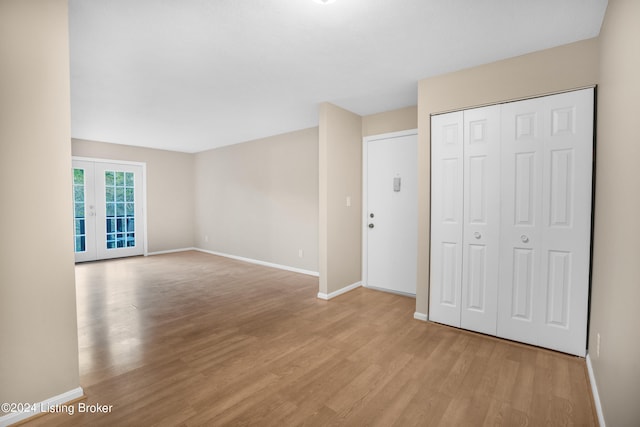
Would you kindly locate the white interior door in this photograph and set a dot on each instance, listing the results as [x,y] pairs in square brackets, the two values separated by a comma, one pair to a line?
[481,219]
[447,164]
[547,154]
[511,190]
[465,218]
[108,209]
[391,213]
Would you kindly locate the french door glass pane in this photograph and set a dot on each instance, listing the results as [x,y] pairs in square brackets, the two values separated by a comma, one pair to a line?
[80,237]
[120,187]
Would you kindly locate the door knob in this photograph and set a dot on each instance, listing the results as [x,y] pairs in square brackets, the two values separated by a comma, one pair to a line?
[477,235]
[524,238]
[370,225]
[371,215]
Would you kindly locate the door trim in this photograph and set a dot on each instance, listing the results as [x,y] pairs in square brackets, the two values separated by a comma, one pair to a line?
[517,99]
[143,165]
[365,188]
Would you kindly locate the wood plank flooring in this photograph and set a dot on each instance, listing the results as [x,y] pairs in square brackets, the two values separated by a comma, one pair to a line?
[192,339]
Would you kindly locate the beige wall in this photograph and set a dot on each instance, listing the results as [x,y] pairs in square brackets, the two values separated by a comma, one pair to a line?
[170,190]
[38,331]
[340,139]
[390,121]
[259,199]
[552,70]
[616,258]
[340,174]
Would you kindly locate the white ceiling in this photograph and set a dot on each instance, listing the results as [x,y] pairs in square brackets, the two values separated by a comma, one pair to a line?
[190,75]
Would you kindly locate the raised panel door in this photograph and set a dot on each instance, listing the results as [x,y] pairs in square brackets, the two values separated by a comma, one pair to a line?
[547,154]
[567,187]
[481,219]
[447,164]
[521,211]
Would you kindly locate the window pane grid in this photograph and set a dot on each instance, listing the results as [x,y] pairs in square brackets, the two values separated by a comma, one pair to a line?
[80,237]
[120,209]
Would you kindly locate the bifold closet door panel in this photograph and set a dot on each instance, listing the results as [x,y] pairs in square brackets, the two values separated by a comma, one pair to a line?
[521,212]
[446,218]
[481,219]
[511,189]
[547,154]
[566,206]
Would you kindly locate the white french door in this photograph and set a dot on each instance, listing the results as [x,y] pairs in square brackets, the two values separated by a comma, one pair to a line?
[84,211]
[391,212]
[108,209]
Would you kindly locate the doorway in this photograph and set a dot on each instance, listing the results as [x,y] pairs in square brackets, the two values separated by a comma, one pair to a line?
[109,209]
[390,209]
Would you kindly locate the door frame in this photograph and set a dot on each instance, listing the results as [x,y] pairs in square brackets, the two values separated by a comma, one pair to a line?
[143,165]
[365,190]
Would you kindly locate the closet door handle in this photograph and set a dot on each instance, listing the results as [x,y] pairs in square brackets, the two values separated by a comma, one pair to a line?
[477,235]
[524,238]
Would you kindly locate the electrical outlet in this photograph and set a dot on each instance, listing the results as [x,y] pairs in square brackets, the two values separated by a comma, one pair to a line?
[300,253]
[598,344]
[348,201]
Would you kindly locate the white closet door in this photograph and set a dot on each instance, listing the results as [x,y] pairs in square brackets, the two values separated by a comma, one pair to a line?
[481,219]
[520,240]
[446,218]
[547,151]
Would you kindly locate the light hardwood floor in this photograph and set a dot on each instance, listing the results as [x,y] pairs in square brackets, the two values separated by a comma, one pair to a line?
[192,339]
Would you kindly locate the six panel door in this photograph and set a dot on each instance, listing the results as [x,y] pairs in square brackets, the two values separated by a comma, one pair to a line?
[547,163]
[447,164]
[510,247]
[481,219]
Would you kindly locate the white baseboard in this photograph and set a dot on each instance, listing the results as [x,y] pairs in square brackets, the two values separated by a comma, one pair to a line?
[594,391]
[420,316]
[170,251]
[264,263]
[37,408]
[341,291]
